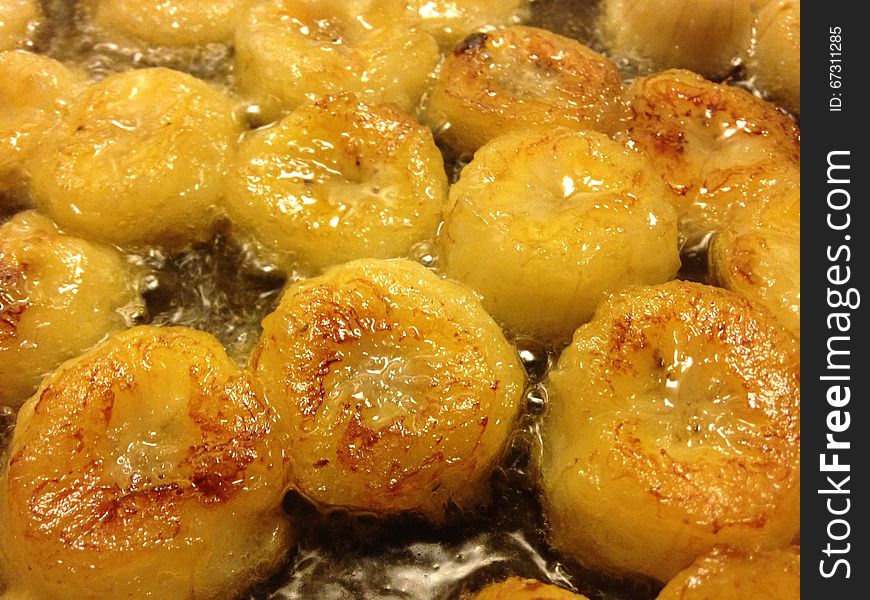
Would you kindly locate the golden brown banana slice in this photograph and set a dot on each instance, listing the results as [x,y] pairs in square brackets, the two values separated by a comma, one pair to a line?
[59,295]
[705,36]
[138,159]
[147,468]
[517,588]
[508,80]
[716,146]
[400,390]
[166,22]
[291,51]
[451,21]
[757,254]
[337,180]
[727,574]
[673,426]
[19,20]
[775,59]
[545,224]
[34,91]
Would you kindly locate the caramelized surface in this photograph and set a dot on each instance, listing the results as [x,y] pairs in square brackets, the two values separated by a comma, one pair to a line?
[150,454]
[516,78]
[399,389]
[673,426]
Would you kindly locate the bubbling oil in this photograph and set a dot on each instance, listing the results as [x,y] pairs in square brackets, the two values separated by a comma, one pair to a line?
[223,288]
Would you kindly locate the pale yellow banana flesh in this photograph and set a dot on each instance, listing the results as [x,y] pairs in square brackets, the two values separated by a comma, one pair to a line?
[19,20]
[775,57]
[288,52]
[336,180]
[165,22]
[34,91]
[705,36]
[138,159]
[564,218]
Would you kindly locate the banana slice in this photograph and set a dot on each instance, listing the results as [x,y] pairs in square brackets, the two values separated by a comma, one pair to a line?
[545,224]
[147,468]
[337,180]
[775,59]
[138,159]
[716,146]
[517,588]
[19,21]
[705,36]
[400,390]
[673,426]
[166,22]
[34,91]
[59,295]
[726,574]
[451,21]
[291,51]
[508,80]
[757,254]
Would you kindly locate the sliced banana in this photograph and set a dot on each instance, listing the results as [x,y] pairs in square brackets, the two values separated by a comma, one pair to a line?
[544,224]
[59,295]
[716,146]
[337,180]
[19,20]
[34,91]
[400,390]
[517,588]
[166,22]
[508,80]
[451,21]
[673,426]
[291,51]
[147,468]
[705,36]
[757,253]
[727,574]
[775,59]
[138,159]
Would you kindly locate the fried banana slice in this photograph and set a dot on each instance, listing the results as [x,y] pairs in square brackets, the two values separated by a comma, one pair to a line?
[401,392]
[757,253]
[775,59]
[509,80]
[166,22]
[451,21]
[716,146]
[673,426]
[59,295]
[336,180]
[147,468]
[19,21]
[35,91]
[705,36]
[288,52]
[138,159]
[545,224]
[517,588]
[727,574]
